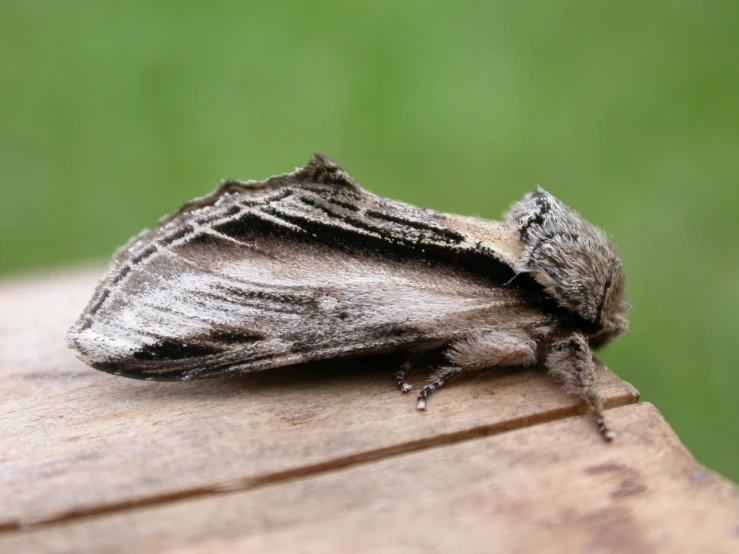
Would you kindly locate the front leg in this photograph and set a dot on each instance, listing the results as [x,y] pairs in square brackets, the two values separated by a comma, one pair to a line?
[571,362]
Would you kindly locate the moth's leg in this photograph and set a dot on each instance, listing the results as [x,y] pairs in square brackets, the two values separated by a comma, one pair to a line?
[410,359]
[483,349]
[441,377]
[571,362]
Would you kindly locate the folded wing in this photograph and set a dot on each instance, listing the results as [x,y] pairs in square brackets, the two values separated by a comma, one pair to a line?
[301,267]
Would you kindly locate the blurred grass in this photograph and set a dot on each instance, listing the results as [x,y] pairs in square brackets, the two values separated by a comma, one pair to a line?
[112,114]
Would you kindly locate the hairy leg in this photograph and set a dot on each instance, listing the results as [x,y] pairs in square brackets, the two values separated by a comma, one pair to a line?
[480,350]
[571,362]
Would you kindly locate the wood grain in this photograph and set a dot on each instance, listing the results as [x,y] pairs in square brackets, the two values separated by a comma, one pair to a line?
[547,488]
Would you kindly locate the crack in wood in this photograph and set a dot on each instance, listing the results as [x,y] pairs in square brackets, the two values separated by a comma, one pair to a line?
[248,484]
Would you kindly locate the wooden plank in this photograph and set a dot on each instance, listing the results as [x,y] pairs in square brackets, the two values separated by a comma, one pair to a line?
[550,488]
[76,441]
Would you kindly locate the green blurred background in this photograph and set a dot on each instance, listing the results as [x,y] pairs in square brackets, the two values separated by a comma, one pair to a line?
[113,113]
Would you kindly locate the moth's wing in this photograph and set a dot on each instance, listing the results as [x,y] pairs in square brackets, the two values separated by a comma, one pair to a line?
[297,271]
[320,169]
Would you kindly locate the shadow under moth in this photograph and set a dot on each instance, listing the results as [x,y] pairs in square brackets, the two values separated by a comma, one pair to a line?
[308,266]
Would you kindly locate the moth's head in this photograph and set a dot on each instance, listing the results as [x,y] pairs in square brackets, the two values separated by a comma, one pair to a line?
[574,262]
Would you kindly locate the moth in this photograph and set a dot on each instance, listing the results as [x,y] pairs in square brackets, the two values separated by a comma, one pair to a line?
[308,266]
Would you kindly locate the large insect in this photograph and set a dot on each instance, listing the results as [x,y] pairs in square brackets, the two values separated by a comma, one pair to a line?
[308,266]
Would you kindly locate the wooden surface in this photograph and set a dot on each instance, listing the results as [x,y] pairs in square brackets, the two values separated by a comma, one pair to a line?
[327,458]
